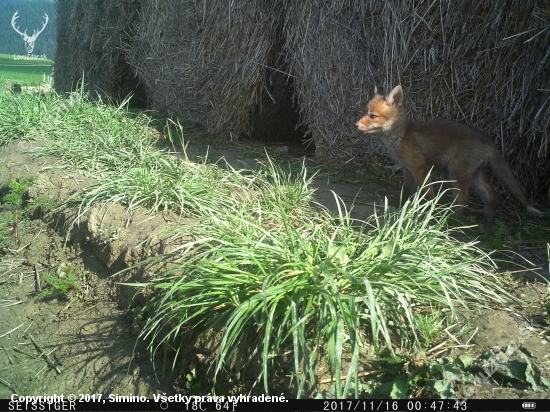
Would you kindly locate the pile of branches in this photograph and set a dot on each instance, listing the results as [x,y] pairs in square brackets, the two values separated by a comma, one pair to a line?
[220,64]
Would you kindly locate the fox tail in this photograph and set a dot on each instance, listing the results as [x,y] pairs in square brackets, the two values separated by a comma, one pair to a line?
[506,177]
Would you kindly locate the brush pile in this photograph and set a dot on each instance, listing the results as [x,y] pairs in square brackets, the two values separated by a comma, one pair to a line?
[257,68]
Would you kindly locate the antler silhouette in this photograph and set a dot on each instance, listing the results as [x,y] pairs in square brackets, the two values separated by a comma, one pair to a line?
[13,19]
[46,20]
[29,40]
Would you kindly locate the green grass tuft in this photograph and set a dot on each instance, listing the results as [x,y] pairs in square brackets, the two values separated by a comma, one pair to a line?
[320,286]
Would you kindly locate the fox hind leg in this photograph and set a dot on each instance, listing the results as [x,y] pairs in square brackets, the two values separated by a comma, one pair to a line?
[482,185]
[410,183]
[416,176]
[461,187]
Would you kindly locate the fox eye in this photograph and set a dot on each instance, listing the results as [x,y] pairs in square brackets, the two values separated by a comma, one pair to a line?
[373,116]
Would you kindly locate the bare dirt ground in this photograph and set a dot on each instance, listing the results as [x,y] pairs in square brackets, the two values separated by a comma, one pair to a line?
[85,342]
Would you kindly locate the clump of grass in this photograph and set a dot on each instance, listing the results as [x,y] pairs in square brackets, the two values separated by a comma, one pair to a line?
[318,287]
[64,281]
[12,203]
[120,148]
[59,285]
[430,325]
[509,235]
[168,183]
[16,191]
[285,188]
[98,137]
[24,116]
[88,135]
[162,184]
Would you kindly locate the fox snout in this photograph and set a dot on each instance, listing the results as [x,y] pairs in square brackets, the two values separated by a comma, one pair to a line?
[360,126]
[364,125]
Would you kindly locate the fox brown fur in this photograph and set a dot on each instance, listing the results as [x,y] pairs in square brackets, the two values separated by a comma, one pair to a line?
[462,150]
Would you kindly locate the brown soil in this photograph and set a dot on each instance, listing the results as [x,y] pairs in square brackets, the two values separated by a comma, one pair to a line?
[89,335]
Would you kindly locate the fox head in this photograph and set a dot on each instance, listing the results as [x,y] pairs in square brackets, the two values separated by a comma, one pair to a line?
[382,112]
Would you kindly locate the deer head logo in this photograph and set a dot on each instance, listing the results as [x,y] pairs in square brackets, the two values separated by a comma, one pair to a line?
[29,40]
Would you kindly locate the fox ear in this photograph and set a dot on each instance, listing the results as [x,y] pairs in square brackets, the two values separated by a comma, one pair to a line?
[395,98]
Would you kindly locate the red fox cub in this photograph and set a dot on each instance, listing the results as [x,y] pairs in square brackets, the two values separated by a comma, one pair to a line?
[462,150]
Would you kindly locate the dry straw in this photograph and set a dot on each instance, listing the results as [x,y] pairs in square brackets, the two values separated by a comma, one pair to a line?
[206,61]
[221,63]
[90,34]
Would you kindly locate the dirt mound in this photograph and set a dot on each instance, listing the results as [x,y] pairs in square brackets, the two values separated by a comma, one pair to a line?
[87,333]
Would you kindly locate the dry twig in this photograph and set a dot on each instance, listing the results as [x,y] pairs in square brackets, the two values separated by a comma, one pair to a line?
[44,354]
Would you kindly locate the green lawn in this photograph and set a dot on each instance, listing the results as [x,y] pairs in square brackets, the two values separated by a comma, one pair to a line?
[25,72]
